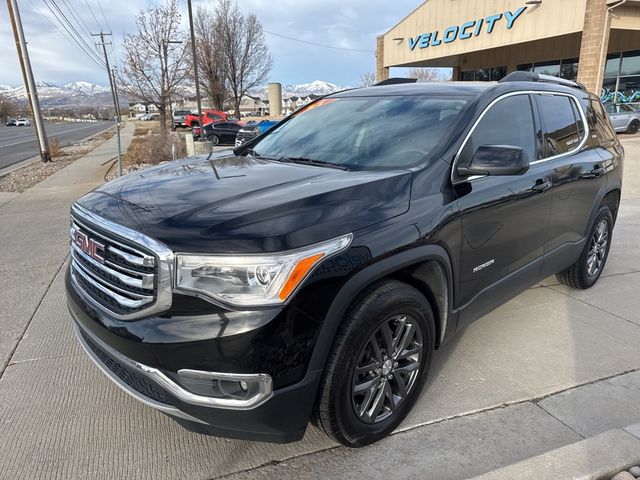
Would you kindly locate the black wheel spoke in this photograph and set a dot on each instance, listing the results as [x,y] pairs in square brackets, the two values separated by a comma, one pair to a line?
[401,387]
[407,337]
[364,369]
[366,385]
[387,337]
[407,368]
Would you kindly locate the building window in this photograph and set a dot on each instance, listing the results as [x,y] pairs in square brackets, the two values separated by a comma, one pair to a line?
[622,78]
[484,74]
[569,69]
[547,68]
[630,64]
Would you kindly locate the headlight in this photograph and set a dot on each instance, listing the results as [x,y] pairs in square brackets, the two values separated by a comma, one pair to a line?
[253,280]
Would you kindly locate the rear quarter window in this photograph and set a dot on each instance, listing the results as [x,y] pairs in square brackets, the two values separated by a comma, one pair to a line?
[561,131]
[599,122]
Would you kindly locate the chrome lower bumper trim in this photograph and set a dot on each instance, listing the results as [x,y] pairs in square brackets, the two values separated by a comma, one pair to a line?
[156,376]
[135,394]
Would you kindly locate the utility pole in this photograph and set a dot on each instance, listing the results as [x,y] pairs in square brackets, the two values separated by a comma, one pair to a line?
[195,68]
[29,81]
[114,95]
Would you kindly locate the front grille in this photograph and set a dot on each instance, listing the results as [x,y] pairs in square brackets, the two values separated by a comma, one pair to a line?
[128,375]
[244,136]
[119,277]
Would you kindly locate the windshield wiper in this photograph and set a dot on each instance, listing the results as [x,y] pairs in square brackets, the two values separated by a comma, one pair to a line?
[317,163]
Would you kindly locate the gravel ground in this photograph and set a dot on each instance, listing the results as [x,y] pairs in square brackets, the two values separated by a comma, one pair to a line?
[24,178]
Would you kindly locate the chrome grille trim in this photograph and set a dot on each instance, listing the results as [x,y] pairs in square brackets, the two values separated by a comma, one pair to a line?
[122,300]
[135,280]
[141,259]
[146,280]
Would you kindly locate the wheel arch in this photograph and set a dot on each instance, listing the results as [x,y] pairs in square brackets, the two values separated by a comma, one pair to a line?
[426,268]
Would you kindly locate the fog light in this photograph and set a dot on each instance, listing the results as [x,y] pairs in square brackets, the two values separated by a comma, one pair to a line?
[225,385]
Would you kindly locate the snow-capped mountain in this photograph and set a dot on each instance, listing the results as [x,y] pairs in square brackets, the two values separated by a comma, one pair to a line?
[317,87]
[72,94]
[85,87]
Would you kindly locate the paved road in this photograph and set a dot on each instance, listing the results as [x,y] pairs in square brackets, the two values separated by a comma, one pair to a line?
[19,143]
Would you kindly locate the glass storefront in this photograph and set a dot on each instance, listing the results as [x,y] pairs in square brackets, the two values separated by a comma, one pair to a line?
[621,83]
[484,74]
[622,78]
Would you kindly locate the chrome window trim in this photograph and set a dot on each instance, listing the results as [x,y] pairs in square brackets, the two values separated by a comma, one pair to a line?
[159,378]
[163,260]
[579,147]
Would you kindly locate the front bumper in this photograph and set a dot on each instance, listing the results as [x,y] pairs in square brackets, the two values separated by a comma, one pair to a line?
[281,415]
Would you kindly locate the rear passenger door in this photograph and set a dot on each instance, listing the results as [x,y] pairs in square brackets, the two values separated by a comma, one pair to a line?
[577,176]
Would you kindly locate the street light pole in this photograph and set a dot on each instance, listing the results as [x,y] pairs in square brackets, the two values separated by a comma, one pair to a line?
[29,81]
[195,68]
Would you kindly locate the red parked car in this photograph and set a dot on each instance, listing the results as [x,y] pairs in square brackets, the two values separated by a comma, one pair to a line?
[208,116]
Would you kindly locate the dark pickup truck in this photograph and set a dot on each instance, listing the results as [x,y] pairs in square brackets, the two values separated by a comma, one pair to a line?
[311,272]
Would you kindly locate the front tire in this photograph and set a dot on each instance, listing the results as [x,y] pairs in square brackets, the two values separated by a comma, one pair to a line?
[214,139]
[586,271]
[378,365]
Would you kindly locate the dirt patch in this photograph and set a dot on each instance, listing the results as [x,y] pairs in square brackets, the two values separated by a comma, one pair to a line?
[26,177]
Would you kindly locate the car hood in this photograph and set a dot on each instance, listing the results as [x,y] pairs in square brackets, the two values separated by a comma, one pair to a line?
[242,204]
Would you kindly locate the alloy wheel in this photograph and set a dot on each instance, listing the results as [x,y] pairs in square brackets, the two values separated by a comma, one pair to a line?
[598,248]
[387,369]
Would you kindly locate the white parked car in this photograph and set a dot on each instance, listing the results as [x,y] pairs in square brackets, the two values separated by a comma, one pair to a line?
[23,122]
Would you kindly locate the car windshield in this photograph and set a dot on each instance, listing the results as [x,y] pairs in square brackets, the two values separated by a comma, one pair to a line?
[364,132]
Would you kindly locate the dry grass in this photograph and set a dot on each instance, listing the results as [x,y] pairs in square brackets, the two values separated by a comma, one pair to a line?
[147,148]
[26,177]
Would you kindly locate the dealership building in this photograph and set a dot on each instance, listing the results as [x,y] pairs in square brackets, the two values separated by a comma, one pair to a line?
[596,42]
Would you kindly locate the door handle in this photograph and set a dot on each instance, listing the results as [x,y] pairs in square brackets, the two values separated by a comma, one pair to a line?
[541,186]
[597,171]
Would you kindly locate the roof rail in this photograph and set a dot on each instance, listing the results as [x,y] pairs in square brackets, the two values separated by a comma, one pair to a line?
[536,77]
[395,81]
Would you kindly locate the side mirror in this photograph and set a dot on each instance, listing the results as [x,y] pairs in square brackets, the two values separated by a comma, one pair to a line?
[496,160]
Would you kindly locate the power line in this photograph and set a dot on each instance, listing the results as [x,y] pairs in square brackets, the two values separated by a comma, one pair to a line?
[74,13]
[89,53]
[71,26]
[103,15]
[317,44]
[93,15]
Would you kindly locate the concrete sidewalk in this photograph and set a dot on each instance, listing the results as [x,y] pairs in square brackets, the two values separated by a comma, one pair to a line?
[34,238]
[551,368]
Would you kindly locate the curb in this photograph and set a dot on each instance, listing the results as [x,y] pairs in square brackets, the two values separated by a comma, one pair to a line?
[595,458]
[24,163]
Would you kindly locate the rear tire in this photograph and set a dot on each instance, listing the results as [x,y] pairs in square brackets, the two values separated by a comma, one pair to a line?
[586,271]
[634,126]
[378,365]
[214,139]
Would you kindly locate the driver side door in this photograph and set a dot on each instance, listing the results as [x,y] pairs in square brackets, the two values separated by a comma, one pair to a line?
[503,218]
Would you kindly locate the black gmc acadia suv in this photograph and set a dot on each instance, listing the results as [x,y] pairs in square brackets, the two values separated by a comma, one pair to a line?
[312,272]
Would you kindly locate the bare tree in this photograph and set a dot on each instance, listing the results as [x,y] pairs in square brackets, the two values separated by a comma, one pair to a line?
[245,54]
[367,79]
[426,74]
[155,60]
[8,108]
[210,57]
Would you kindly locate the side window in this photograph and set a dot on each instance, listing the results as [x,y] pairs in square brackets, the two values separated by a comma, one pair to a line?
[559,127]
[508,122]
[599,122]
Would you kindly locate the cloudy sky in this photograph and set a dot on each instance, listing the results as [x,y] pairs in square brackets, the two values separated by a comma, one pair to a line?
[341,23]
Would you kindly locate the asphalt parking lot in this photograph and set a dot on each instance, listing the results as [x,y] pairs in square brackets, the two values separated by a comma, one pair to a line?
[551,367]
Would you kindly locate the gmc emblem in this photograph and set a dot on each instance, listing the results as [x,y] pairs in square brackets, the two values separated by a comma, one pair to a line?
[89,246]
